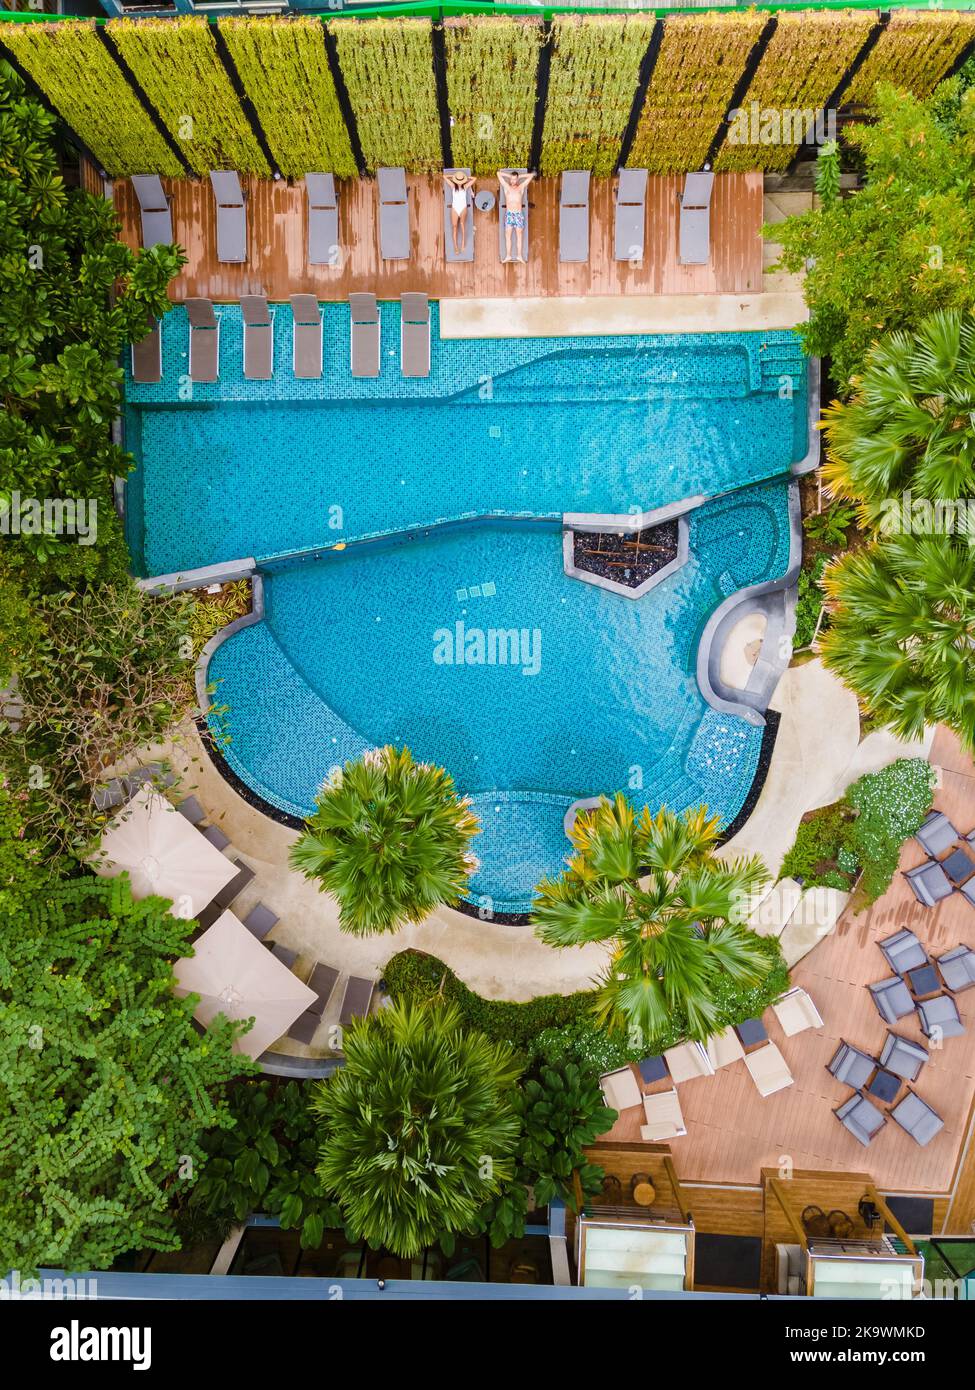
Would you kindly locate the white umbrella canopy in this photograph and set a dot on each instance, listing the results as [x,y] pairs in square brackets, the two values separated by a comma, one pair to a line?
[162,854]
[234,974]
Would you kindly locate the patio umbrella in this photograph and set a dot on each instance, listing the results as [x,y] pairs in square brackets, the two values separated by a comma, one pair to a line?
[235,975]
[162,854]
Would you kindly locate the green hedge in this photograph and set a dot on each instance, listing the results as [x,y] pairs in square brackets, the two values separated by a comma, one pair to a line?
[84,83]
[492,69]
[595,67]
[307,131]
[914,51]
[178,66]
[388,69]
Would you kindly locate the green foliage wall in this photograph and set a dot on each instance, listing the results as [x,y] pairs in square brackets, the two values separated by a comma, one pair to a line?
[81,79]
[700,60]
[914,51]
[595,66]
[307,130]
[492,69]
[177,64]
[388,69]
[801,68]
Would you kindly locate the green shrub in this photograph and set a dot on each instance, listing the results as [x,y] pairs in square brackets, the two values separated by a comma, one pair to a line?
[388,69]
[915,50]
[492,64]
[809,602]
[819,841]
[588,1045]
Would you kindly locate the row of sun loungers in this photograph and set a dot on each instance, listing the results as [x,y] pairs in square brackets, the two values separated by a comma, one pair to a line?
[323,246]
[356,998]
[919,984]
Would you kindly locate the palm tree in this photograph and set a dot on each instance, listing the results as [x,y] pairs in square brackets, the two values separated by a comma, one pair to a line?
[910,425]
[902,632]
[672,936]
[419,1128]
[390,839]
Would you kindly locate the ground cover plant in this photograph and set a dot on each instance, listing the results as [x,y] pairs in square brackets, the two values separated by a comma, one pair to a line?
[492,67]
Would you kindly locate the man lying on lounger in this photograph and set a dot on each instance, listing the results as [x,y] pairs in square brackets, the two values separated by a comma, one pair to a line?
[459,184]
[514,186]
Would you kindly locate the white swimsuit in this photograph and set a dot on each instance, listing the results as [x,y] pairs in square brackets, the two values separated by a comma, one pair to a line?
[459,201]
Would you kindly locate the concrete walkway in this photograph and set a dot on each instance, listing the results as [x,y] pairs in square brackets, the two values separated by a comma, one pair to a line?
[611,314]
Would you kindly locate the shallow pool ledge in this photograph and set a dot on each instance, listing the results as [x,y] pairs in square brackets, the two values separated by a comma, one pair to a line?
[611,314]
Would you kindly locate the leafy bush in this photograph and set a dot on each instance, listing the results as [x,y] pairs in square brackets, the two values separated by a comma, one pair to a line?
[492,64]
[914,51]
[211,612]
[821,836]
[589,1046]
[894,801]
[809,602]
[388,69]
[562,1110]
[306,130]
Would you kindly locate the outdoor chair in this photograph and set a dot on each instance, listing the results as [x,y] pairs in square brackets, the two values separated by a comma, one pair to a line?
[258,321]
[903,1057]
[356,1000]
[304,1027]
[415,335]
[284,954]
[851,1066]
[306,337]
[260,920]
[231,217]
[322,981]
[502,205]
[892,998]
[929,883]
[147,356]
[768,1069]
[157,222]
[665,1119]
[937,835]
[467,254]
[631,214]
[216,837]
[861,1118]
[323,219]
[967,891]
[122,789]
[620,1089]
[939,1017]
[394,215]
[192,810]
[364,333]
[574,215]
[204,340]
[724,1048]
[687,1060]
[695,219]
[916,1117]
[903,952]
[796,1012]
[957,968]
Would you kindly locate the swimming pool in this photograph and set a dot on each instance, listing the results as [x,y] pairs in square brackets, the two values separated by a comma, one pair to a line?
[469,642]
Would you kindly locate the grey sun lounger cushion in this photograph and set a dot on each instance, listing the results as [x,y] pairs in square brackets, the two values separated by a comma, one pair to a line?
[929,883]
[231,218]
[306,328]
[305,1027]
[394,215]
[957,968]
[415,335]
[892,998]
[157,222]
[851,1066]
[502,208]
[258,337]
[204,340]
[448,223]
[122,789]
[323,219]
[939,1017]
[364,334]
[695,220]
[356,1001]
[903,1057]
[916,1116]
[574,216]
[937,835]
[284,954]
[192,810]
[260,920]
[903,952]
[235,887]
[322,981]
[216,837]
[860,1117]
[147,355]
[631,207]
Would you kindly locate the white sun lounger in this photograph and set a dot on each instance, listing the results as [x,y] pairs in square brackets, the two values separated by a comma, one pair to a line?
[502,208]
[258,337]
[306,334]
[448,225]
[415,335]
[147,355]
[204,340]
[631,214]
[394,215]
[323,219]
[724,1048]
[231,217]
[574,216]
[364,334]
[157,222]
[768,1069]
[687,1060]
[695,219]
[796,1012]
[665,1119]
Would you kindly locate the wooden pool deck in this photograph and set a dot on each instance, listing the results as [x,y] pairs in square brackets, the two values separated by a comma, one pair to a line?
[277,264]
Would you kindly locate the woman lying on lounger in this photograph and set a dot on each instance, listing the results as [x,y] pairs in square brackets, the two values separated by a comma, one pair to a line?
[514,186]
[459,184]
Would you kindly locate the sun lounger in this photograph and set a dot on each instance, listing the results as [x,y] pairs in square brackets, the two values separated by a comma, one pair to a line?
[620,1089]
[467,254]
[796,1012]
[767,1068]
[231,217]
[323,219]
[260,920]
[695,220]
[937,835]
[306,331]
[852,1066]
[687,1060]
[284,954]
[415,335]
[216,837]
[501,211]
[304,1027]
[574,216]
[903,951]
[356,1001]
[322,981]
[157,222]
[929,883]
[916,1117]
[204,340]
[903,1057]
[631,210]
[665,1120]
[258,337]
[861,1118]
[724,1048]
[364,334]
[147,355]
[394,215]
[892,998]
[939,1017]
[957,968]
[122,789]
[192,810]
